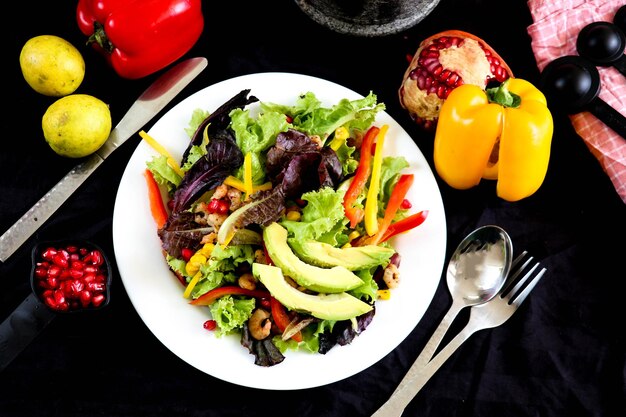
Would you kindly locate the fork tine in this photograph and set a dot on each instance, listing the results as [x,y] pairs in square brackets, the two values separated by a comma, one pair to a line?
[514,273]
[519,283]
[519,298]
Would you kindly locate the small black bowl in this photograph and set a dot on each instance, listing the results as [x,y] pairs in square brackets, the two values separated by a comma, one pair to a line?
[78,280]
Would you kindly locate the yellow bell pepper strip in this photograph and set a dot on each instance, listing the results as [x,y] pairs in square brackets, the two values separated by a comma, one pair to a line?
[238,184]
[503,133]
[247,174]
[157,207]
[361,175]
[371,203]
[192,284]
[160,149]
[395,201]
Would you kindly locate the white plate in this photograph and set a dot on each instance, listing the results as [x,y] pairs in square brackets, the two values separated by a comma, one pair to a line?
[157,295]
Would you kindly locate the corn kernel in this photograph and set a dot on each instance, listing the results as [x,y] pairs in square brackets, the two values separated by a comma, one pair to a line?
[198,258]
[194,263]
[353,235]
[192,268]
[347,245]
[207,249]
[293,215]
[384,294]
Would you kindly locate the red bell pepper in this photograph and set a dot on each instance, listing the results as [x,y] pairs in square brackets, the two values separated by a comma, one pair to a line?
[361,175]
[211,296]
[395,201]
[281,318]
[140,37]
[157,207]
[405,224]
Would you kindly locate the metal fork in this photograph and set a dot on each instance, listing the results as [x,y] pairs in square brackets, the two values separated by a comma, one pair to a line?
[485,316]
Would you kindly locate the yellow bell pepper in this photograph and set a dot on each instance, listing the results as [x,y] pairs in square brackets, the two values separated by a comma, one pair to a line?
[502,134]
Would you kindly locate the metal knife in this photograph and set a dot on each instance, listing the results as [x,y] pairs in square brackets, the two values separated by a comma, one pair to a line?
[148,105]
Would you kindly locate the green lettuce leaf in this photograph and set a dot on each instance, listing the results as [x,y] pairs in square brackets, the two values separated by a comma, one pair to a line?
[231,313]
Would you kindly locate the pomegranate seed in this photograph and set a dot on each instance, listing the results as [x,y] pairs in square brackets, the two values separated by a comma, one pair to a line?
[76,287]
[97,300]
[210,325]
[95,287]
[90,269]
[53,282]
[41,271]
[49,301]
[186,253]
[85,298]
[60,260]
[96,258]
[406,204]
[59,296]
[54,271]
[48,254]
[218,206]
[72,249]
[83,251]
[76,273]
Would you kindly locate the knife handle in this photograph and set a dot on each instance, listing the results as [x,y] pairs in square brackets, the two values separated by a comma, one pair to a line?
[26,226]
[21,327]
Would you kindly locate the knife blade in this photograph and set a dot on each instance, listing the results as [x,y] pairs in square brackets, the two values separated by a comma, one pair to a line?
[148,105]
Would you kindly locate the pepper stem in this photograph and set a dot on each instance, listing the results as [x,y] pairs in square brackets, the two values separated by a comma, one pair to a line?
[100,37]
[502,96]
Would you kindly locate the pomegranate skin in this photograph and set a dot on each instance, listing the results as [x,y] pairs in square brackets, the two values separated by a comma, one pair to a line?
[441,63]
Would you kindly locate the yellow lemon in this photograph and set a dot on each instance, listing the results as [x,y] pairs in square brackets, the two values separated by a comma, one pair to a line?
[76,125]
[51,65]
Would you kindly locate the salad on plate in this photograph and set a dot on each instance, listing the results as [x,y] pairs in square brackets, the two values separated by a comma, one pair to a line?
[279,219]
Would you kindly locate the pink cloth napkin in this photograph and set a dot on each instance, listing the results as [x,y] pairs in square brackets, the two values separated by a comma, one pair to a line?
[555,27]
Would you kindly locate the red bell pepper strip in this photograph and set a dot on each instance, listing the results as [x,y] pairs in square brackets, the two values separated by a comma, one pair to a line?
[395,201]
[405,224]
[157,207]
[361,175]
[282,319]
[209,297]
[140,37]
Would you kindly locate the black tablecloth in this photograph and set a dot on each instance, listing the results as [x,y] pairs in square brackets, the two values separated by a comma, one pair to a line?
[561,354]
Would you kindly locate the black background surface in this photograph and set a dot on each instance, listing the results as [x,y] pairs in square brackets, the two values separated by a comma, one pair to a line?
[561,354]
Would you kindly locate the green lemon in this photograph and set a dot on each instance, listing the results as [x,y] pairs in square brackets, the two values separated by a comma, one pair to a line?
[76,125]
[51,65]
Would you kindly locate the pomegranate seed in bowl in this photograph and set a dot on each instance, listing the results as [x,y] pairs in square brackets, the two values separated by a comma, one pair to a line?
[70,276]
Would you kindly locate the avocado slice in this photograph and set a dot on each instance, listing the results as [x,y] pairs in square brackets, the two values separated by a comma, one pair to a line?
[352,258]
[337,306]
[326,280]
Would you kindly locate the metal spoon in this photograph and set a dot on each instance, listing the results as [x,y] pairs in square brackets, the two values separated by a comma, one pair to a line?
[572,84]
[475,274]
[603,43]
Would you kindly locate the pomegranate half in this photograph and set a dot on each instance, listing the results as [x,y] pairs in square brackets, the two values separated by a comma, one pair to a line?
[442,62]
